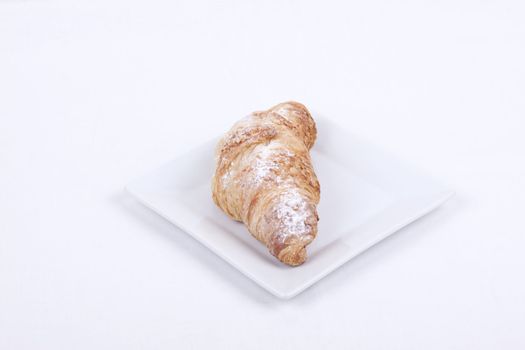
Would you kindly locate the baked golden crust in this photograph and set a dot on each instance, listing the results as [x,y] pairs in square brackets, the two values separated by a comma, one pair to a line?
[264,178]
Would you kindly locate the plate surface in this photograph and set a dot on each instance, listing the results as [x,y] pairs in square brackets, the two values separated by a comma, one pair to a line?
[366,195]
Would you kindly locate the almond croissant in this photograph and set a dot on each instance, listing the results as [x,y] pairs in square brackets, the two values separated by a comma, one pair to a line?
[264,178]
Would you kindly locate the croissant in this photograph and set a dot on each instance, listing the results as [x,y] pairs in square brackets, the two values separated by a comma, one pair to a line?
[265,179]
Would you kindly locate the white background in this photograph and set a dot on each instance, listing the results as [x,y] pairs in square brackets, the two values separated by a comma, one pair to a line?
[94,93]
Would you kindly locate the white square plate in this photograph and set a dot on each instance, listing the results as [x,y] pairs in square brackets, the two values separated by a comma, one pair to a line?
[366,195]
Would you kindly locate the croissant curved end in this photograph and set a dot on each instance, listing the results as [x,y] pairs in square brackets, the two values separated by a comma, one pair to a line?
[293,255]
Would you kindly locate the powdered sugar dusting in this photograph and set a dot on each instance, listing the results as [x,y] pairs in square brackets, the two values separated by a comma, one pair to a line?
[241,129]
[293,213]
[266,167]
[226,178]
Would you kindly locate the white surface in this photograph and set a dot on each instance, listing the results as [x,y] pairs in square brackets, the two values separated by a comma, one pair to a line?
[366,196]
[95,92]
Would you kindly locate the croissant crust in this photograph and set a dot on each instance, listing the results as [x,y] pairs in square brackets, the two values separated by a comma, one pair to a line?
[265,179]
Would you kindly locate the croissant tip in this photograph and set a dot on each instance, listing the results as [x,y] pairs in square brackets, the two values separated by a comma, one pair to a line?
[293,255]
